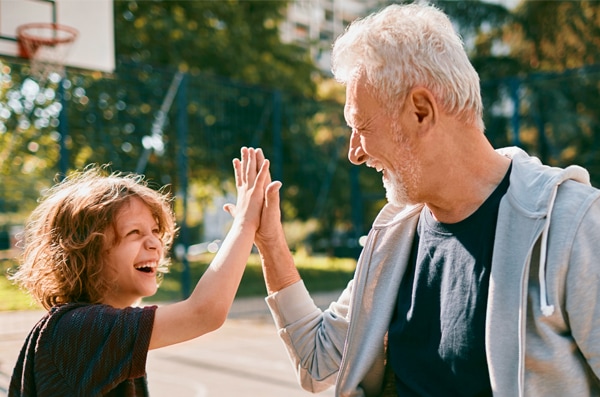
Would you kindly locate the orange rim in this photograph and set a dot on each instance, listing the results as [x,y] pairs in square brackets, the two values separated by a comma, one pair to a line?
[24,34]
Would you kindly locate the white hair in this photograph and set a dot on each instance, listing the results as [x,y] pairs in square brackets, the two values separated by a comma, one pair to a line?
[404,46]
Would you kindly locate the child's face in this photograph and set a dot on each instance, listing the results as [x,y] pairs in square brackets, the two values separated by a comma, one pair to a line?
[133,261]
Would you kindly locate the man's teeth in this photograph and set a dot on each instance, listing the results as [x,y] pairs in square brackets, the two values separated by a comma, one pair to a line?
[377,167]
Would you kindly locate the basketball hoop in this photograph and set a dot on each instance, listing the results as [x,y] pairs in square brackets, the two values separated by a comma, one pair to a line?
[46,45]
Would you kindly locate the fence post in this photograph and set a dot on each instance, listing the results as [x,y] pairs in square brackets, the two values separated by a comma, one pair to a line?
[514,86]
[357,207]
[539,119]
[182,167]
[277,139]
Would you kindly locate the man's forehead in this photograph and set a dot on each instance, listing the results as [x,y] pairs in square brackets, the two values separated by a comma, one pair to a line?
[357,96]
[351,113]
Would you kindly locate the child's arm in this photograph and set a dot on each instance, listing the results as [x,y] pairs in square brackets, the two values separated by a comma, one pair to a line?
[207,307]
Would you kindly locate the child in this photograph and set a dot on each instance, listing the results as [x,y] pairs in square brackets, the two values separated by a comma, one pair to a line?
[93,248]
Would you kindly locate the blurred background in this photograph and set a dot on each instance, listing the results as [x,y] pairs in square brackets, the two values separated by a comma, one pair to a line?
[173,89]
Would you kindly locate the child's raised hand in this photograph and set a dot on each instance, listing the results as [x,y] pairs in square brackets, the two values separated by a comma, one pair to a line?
[251,178]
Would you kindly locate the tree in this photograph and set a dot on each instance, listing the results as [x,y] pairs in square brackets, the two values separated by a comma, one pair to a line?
[558,43]
[29,145]
[237,39]
[108,116]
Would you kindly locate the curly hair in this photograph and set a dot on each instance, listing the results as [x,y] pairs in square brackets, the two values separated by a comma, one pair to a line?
[403,46]
[66,237]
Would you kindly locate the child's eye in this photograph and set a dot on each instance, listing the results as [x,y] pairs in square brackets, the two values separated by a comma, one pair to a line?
[133,232]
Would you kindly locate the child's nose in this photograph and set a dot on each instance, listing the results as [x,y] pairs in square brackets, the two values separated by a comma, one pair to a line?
[152,242]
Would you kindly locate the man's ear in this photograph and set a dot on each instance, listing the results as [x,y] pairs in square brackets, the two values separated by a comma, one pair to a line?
[423,107]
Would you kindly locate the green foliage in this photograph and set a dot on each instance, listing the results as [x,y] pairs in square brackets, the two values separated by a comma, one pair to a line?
[546,55]
[557,35]
[238,39]
[558,43]
[11,296]
[29,145]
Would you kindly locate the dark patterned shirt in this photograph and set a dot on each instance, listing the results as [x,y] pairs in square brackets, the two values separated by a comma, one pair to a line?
[85,350]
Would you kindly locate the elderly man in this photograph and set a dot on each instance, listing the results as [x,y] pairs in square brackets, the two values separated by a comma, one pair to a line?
[480,276]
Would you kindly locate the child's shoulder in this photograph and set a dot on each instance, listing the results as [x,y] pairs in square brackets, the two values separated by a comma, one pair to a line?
[73,322]
[71,316]
[86,314]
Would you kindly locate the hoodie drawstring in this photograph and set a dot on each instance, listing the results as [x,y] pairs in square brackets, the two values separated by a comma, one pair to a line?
[547,309]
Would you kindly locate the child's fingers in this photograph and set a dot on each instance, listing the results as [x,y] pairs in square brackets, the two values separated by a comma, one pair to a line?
[245,157]
[251,168]
[260,157]
[237,171]
[264,175]
[230,209]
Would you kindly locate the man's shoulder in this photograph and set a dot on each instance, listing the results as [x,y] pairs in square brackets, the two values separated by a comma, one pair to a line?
[575,202]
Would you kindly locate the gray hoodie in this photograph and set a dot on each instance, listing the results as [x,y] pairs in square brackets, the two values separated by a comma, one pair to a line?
[543,315]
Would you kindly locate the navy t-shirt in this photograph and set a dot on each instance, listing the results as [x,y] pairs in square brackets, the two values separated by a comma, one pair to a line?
[437,334]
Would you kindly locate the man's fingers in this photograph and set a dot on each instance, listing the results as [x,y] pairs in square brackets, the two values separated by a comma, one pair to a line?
[261,158]
[272,194]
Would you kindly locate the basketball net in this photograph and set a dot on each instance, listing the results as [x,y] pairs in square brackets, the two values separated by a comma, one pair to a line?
[46,45]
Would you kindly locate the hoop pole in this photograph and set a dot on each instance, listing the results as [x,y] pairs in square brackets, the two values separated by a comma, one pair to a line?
[159,122]
[54,18]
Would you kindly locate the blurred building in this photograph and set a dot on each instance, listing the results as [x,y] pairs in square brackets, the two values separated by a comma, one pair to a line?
[315,24]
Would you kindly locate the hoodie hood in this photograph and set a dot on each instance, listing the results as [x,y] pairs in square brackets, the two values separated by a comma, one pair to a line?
[539,182]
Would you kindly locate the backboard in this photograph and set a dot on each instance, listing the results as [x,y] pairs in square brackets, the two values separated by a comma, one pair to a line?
[94,47]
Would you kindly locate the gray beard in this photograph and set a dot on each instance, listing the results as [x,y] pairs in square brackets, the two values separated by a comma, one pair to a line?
[395,190]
